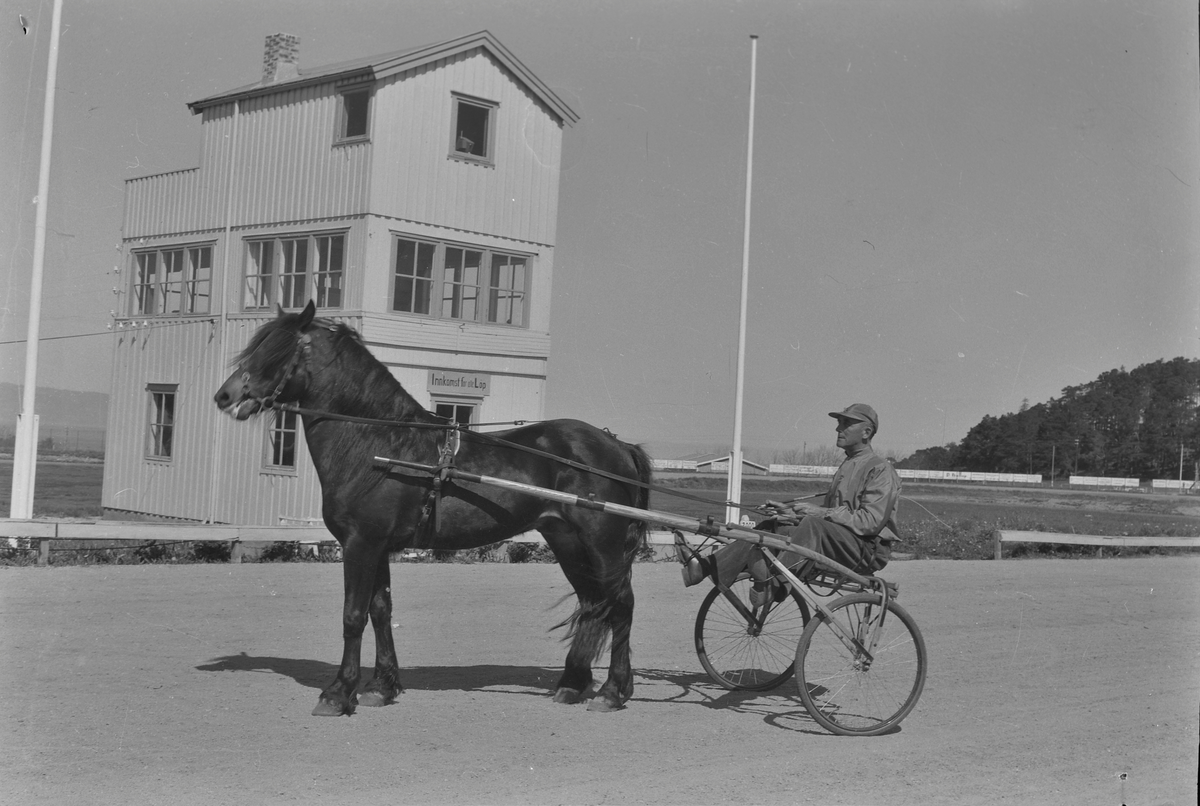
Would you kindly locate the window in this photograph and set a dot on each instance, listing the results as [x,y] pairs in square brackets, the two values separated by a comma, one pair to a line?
[470,284]
[169,282]
[413,277]
[161,438]
[456,411]
[355,116]
[472,133]
[460,283]
[289,271]
[506,290]
[281,440]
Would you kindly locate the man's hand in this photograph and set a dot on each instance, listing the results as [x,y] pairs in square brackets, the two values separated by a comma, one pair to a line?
[792,511]
[804,508]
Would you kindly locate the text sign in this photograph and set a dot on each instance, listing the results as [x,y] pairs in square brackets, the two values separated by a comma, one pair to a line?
[459,383]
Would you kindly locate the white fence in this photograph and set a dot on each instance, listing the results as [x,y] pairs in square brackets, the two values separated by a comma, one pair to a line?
[674,464]
[1103,481]
[1173,484]
[1099,541]
[801,470]
[966,475]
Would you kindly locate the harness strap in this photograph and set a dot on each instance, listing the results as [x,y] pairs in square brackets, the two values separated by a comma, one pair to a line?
[430,523]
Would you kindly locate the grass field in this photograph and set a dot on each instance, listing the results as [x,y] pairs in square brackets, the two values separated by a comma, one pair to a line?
[62,489]
[944,521]
[936,521]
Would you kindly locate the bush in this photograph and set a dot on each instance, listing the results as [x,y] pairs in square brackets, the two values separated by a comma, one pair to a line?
[213,552]
[530,553]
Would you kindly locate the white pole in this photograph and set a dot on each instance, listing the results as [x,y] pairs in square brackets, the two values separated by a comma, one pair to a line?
[25,449]
[733,513]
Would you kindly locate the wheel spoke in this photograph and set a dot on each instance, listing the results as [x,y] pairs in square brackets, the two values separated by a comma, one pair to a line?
[844,693]
[740,654]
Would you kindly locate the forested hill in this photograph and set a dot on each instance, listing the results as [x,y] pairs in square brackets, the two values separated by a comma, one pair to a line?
[1124,423]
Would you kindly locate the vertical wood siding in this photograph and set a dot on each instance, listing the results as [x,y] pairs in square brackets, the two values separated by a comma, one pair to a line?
[286,169]
[205,441]
[516,197]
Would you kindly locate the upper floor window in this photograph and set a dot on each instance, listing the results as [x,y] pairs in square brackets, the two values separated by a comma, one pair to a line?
[172,281]
[449,281]
[289,271]
[354,120]
[473,132]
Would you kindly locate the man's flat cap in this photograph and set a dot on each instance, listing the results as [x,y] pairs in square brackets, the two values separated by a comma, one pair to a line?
[860,412]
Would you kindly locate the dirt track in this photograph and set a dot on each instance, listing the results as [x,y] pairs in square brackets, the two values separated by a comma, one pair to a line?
[193,684]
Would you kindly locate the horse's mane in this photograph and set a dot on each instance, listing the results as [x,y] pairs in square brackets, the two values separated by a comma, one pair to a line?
[364,385]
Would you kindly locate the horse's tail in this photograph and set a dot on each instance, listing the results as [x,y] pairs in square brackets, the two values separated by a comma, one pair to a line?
[639,530]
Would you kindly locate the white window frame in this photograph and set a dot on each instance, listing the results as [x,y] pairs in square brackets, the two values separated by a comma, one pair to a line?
[468,148]
[450,294]
[171,280]
[471,406]
[162,421]
[282,425]
[344,94]
[273,281]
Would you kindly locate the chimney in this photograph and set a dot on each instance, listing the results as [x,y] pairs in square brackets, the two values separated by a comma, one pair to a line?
[281,58]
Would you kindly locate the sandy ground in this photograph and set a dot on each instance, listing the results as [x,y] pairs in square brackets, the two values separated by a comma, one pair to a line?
[1050,681]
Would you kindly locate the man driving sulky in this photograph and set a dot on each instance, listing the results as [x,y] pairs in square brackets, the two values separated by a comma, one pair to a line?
[854,525]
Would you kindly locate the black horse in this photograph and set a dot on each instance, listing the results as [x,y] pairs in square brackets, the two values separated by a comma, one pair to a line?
[344,394]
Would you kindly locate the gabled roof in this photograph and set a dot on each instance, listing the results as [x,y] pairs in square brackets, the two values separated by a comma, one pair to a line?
[374,67]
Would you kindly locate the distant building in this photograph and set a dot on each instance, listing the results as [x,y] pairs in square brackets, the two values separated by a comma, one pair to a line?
[412,195]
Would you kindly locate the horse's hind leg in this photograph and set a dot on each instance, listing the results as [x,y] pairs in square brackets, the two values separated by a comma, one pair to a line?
[385,685]
[614,573]
[604,610]
[586,630]
[618,688]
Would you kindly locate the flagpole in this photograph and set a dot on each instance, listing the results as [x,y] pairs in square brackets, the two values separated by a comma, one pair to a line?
[733,513]
[25,449]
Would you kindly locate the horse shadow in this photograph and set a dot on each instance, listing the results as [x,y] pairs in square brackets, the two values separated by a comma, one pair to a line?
[778,708]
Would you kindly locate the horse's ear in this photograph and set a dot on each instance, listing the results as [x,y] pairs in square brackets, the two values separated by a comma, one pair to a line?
[306,316]
[278,310]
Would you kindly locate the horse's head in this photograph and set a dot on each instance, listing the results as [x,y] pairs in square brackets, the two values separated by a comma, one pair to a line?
[272,367]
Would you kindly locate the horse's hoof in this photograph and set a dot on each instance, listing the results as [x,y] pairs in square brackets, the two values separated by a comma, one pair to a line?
[568,696]
[374,699]
[327,708]
[604,706]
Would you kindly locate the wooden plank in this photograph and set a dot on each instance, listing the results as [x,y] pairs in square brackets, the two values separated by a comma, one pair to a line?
[146,530]
[1005,536]
[300,534]
[23,528]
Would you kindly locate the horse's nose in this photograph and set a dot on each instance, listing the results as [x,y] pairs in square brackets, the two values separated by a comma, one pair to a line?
[222,398]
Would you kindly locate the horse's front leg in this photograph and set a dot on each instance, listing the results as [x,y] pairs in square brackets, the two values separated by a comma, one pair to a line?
[359,568]
[385,685]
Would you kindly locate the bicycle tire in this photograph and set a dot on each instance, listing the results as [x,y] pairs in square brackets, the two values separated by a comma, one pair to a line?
[741,656]
[847,696]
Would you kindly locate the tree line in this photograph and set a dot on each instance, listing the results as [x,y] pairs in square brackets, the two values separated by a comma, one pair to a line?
[1128,424]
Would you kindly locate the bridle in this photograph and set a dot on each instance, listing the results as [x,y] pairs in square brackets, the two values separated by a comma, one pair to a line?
[300,353]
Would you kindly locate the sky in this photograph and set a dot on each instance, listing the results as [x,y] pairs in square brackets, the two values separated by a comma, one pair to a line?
[956,206]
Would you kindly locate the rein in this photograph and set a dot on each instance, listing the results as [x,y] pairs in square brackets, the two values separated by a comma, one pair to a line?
[489,439]
[304,347]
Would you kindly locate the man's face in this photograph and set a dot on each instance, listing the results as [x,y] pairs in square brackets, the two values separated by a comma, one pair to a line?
[852,433]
